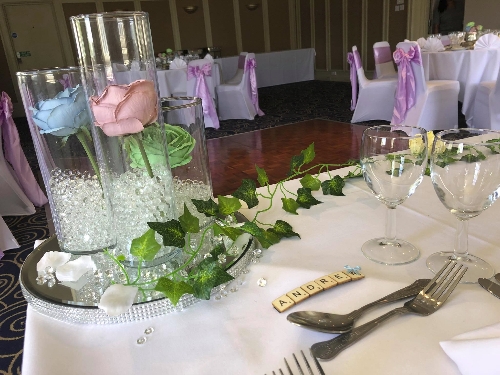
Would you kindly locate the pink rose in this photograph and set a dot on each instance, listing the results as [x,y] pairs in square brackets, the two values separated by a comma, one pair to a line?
[125,109]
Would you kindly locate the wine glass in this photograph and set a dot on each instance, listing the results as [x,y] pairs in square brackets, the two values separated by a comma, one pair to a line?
[465,172]
[393,160]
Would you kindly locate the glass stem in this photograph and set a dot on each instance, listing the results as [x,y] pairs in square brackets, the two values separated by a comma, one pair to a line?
[390,225]
[83,140]
[144,155]
[461,248]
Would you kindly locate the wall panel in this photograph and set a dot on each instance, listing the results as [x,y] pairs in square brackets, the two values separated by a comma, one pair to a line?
[336,35]
[279,25]
[354,24]
[74,9]
[6,83]
[374,29]
[305,23]
[191,26]
[161,27]
[112,6]
[252,28]
[320,33]
[223,27]
[397,24]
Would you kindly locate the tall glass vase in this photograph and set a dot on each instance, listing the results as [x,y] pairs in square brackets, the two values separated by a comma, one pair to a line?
[119,73]
[56,108]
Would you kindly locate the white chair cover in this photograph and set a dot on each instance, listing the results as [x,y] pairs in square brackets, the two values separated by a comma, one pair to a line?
[436,102]
[201,84]
[376,97]
[178,63]
[489,41]
[237,99]
[7,240]
[384,66]
[486,105]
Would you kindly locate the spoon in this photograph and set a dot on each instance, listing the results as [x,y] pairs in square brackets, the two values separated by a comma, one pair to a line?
[334,323]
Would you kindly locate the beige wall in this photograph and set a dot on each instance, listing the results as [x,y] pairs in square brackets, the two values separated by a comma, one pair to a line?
[329,26]
[483,12]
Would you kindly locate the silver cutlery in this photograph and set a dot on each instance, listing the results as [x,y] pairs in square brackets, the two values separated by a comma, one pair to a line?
[491,286]
[299,367]
[429,300]
[336,323]
[497,276]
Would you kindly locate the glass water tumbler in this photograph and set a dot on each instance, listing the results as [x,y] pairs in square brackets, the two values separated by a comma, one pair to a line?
[119,73]
[60,123]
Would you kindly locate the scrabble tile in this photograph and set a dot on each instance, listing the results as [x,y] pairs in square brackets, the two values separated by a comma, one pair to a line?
[298,295]
[340,277]
[312,288]
[326,282]
[283,303]
[354,276]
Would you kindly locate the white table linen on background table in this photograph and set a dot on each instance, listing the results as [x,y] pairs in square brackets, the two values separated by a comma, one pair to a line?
[244,334]
[469,67]
[275,68]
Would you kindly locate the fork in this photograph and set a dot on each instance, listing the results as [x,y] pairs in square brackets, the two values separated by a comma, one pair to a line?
[429,300]
[297,363]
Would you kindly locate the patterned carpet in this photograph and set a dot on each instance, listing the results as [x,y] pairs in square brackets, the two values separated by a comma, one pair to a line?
[285,104]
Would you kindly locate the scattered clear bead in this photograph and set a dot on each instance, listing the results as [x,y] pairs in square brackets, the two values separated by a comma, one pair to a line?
[257,253]
[149,330]
[40,280]
[141,340]
[51,283]
[183,273]
[218,297]
[221,258]
[262,282]
[49,269]
[224,293]
[233,290]
[207,255]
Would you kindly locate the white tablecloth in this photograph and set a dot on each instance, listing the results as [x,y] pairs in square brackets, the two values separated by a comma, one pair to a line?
[469,67]
[244,334]
[276,68]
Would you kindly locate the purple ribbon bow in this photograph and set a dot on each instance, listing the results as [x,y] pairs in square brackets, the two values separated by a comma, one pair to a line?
[15,155]
[406,89]
[201,90]
[250,66]
[65,81]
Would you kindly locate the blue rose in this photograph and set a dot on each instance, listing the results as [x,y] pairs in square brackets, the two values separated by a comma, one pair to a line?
[64,114]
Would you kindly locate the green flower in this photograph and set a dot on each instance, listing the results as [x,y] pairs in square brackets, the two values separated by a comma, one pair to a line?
[180,144]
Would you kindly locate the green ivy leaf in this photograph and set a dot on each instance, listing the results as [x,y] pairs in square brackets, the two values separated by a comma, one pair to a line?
[296,162]
[309,153]
[469,158]
[333,186]
[145,247]
[190,223]
[227,205]
[232,232]
[351,174]
[305,198]
[283,229]
[208,276]
[261,176]
[267,239]
[251,228]
[171,231]
[208,208]
[310,182]
[121,257]
[246,192]
[290,205]
[173,290]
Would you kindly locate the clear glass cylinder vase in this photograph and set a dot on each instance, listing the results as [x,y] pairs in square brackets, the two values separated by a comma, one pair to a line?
[119,73]
[60,124]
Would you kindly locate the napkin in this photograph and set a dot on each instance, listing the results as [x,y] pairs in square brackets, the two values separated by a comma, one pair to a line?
[490,41]
[475,352]
[209,57]
[433,45]
[178,64]
[421,42]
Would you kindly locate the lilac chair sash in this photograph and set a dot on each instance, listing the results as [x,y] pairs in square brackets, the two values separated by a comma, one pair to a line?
[15,155]
[406,89]
[201,90]
[251,64]
[354,61]
[382,55]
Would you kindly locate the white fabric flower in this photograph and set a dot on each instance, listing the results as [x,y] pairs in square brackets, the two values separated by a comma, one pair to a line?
[54,259]
[72,271]
[117,299]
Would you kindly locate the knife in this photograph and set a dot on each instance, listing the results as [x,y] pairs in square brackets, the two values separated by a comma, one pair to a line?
[490,286]
[497,276]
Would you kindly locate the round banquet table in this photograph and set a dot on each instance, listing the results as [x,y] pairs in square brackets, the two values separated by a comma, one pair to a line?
[244,334]
[468,67]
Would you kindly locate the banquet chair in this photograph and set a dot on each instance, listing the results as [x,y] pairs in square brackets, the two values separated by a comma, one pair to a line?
[432,105]
[201,84]
[486,105]
[384,66]
[376,97]
[238,98]
[487,41]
